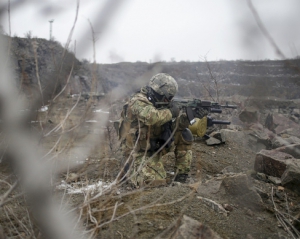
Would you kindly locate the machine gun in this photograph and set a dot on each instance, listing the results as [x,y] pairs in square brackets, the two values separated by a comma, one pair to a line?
[195,107]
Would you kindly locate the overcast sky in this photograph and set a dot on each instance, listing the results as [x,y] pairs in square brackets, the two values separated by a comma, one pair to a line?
[153,30]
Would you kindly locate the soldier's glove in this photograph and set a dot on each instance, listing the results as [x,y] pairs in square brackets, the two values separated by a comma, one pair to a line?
[200,113]
[174,110]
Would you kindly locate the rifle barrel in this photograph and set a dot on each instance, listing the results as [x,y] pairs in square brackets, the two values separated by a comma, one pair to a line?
[214,110]
[229,106]
[220,122]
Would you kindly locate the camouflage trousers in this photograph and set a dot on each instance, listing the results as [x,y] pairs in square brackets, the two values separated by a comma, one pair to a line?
[147,168]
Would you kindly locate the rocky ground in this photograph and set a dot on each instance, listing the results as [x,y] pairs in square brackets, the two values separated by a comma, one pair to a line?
[224,198]
[224,193]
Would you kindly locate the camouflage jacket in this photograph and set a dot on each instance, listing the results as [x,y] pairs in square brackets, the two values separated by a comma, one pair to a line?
[141,121]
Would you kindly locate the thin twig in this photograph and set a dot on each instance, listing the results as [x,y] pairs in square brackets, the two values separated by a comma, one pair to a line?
[7,193]
[284,221]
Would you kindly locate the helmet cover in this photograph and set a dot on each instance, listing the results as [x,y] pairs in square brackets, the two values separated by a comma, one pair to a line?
[164,85]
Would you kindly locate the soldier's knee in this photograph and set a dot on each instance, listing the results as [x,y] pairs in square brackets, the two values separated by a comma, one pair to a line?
[184,137]
[187,136]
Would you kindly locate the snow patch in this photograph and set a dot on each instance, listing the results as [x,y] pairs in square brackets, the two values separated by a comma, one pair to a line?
[43,108]
[79,188]
[101,111]
[91,121]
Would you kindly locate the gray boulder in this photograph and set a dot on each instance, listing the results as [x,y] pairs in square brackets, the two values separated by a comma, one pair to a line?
[273,162]
[280,141]
[249,115]
[231,188]
[246,138]
[293,150]
[192,229]
[291,178]
[285,125]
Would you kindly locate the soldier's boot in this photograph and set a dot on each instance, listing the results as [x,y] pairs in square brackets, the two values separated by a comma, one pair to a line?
[183,154]
[181,178]
[183,165]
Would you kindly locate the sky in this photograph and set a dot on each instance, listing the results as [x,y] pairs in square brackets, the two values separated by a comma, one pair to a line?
[162,30]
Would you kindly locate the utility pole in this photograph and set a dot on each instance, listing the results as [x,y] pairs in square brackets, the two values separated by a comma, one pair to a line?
[51,21]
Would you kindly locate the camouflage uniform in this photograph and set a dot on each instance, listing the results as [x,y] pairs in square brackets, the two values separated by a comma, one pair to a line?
[141,126]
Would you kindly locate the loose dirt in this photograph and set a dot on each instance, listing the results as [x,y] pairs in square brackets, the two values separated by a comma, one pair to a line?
[126,212]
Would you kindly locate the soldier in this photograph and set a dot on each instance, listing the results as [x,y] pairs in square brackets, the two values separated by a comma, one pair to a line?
[145,127]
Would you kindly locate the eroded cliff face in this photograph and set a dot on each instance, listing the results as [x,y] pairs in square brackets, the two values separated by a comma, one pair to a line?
[39,64]
[37,60]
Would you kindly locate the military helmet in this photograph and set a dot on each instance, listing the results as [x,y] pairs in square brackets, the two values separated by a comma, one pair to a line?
[164,85]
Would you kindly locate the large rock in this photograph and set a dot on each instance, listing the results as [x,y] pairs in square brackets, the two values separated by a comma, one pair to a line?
[273,162]
[192,229]
[293,150]
[212,141]
[292,131]
[283,141]
[291,178]
[249,115]
[237,187]
[285,125]
[236,184]
[246,138]
[219,135]
[262,135]
[233,135]
[231,188]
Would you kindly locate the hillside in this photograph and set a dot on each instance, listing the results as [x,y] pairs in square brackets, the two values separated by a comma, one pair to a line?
[54,63]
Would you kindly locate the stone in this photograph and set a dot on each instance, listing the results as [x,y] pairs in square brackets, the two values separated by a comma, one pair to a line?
[238,189]
[249,212]
[249,115]
[280,188]
[293,150]
[274,180]
[291,178]
[218,135]
[247,138]
[217,207]
[261,193]
[251,199]
[281,142]
[285,125]
[236,184]
[193,229]
[272,162]
[293,131]
[249,236]
[228,207]
[261,177]
[231,188]
[228,169]
[212,141]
